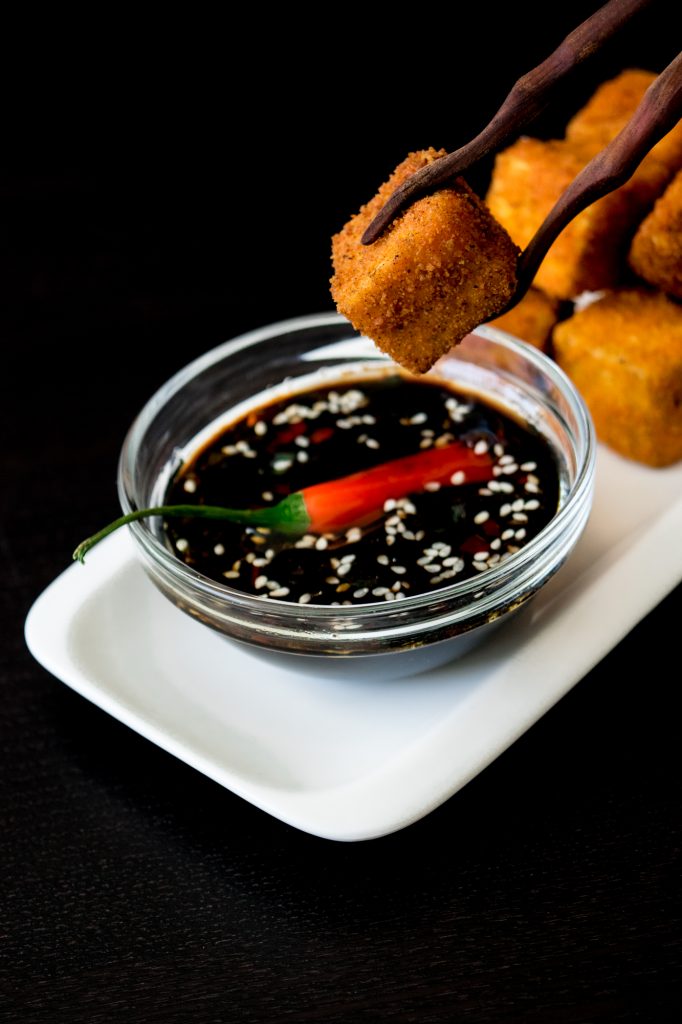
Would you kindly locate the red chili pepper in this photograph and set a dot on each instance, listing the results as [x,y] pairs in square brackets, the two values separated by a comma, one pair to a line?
[334,504]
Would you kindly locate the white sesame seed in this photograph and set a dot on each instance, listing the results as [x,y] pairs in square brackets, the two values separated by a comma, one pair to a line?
[520,517]
[497,470]
[399,570]
[517,505]
[371,442]
[520,534]
[480,448]
[481,517]
[432,485]
[481,556]
[484,492]
[267,495]
[321,543]
[511,468]
[390,540]
[302,441]
[532,505]
[182,544]
[458,478]
[528,467]
[382,559]
[498,449]
[348,558]
[280,592]
[396,586]
[260,562]
[426,443]
[189,485]
[495,544]
[331,580]
[218,550]
[506,459]
[302,456]
[305,598]
[260,428]
[260,581]
[419,417]
[344,569]
[231,575]
[480,565]
[380,591]
[505,487]
[505,510]
[354,534]
[390,504]
[362,592]
[532,488]
[433,567]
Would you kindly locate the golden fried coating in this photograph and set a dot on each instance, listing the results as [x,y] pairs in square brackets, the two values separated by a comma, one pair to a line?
[532,319]
[589,254]
[656,250]
[440,269]
[624,353]
[609,110]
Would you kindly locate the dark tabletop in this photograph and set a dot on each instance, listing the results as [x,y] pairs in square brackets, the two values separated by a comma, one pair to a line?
[138,232]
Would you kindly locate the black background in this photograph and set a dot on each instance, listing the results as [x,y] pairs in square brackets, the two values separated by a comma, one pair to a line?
[164,188]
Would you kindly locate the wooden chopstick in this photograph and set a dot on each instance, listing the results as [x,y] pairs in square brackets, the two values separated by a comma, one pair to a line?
[527,99]
[658,112]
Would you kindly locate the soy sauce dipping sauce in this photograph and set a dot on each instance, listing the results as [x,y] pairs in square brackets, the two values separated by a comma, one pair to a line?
[418,543]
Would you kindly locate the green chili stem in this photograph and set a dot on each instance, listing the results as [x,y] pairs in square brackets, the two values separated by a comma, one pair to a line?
[288,516]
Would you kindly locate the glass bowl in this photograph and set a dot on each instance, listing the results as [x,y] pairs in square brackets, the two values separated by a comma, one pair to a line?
[403,637]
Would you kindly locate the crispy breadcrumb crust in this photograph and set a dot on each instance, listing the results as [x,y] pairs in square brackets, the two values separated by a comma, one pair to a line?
[589,254]
[532,319]
[442,267]
[530,175]
[624,353]
[656,250]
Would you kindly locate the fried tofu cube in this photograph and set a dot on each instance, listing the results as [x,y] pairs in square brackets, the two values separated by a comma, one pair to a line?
[589,254]
[656,250]
[609,110]
[440,269]
[531,319]
[624,353]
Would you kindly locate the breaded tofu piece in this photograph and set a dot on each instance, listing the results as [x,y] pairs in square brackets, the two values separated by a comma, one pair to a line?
[440,269]
[624,353]
[656,250]
[531,319]
[589,254]
[611,107]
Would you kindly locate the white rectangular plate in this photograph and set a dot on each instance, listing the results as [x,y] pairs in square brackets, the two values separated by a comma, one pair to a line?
[357,758]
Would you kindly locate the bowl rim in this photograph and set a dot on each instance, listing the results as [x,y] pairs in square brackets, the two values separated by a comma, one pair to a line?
[506,573]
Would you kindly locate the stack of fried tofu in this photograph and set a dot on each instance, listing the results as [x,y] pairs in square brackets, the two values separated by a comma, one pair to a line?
[624,350]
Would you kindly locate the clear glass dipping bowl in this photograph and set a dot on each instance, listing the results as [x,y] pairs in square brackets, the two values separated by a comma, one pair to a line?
[397,637]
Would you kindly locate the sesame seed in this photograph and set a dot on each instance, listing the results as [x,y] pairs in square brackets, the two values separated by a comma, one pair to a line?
[458,478]
[532,505]
[348,558]
[396,586]
[302,456]
[433,567]
[331,580]
[389,505]
[342,587]
[481,556]
[507,535]
[495,544]
[267,496]
[481,517]
[280,592]
[305,598]
[354,534]
[528,467]
[419,417]
[480,565]
[498,449]
[520,534]
[484,492]
[344,569]
[321,543]
[480,448]
[380,591]
[361,592]
[231,575]
[182,544]
[260,428]
[399,570]
[510,468]
[382,559]
[517,505]
[520,517]
[432,485]
[372,443]
[505,510]
[505,487]
[189,485]
[390,540]
[218,550]
[506,459]
[532,488]
[260,581]
[302,441]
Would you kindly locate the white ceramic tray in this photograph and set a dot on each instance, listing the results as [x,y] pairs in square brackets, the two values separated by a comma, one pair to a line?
[357,758]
